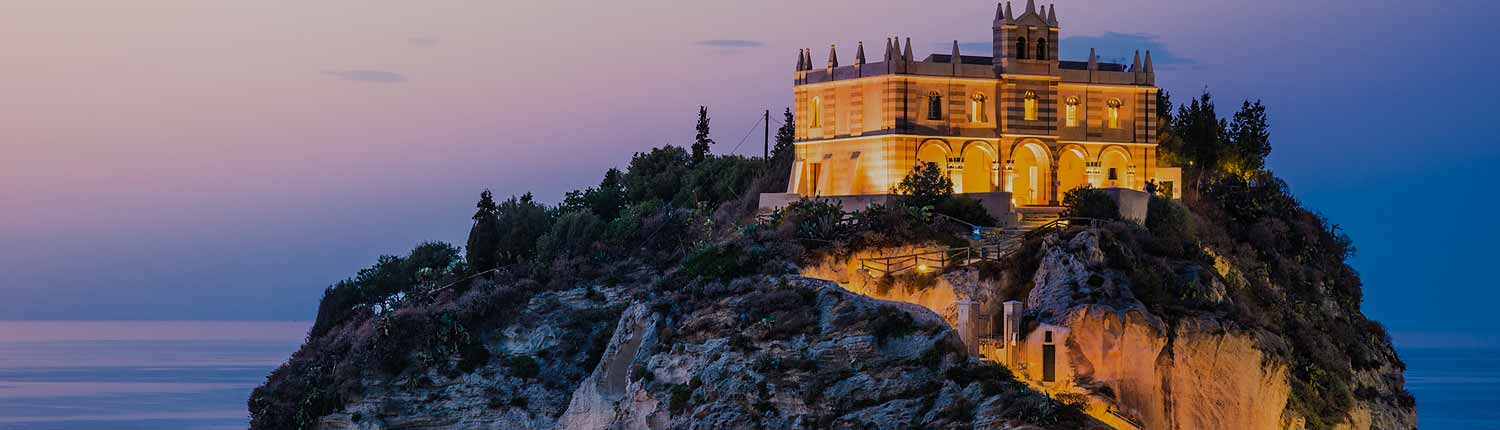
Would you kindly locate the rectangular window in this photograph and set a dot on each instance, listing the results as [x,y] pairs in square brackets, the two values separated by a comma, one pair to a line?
[1114,117]
[1072,115]
[934,108]
[976,111]
[1031,109]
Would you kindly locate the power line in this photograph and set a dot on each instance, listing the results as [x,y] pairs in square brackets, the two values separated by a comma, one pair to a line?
[747,135]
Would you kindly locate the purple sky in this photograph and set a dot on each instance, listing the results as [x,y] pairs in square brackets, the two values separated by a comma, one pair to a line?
[181,159]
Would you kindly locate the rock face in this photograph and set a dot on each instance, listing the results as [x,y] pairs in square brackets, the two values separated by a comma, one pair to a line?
[1199,372]
[780,353]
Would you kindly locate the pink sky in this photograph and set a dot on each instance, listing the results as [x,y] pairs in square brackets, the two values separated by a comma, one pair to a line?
[212,159]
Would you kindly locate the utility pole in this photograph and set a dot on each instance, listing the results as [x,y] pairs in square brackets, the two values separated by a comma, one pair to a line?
[767,143]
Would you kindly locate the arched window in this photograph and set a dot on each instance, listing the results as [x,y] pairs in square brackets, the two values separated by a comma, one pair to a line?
[934,106]
[1071,107]
[1041,49]
[1030,105]
[815,114]
[1114,112]
[978,112]
[1021,48]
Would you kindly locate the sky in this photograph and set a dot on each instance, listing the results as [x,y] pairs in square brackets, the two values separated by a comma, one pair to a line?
[228,159]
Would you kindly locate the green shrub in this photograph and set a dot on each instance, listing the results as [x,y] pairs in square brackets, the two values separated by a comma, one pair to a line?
[925,185]
[574,234]
[1088,202]
[657,174]
[816,220]
[522,366]
[966,209]
[679,398]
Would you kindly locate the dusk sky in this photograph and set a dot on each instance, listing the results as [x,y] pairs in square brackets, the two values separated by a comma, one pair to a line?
[191,159]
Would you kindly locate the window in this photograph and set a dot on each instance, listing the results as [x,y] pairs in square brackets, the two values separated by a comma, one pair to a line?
[977,109]
[1113,174]
[1072,112]
[1021,48]
[1030,105]
[816,114]
[1114,113]
[1047,336]
[934,106]
[1041,49]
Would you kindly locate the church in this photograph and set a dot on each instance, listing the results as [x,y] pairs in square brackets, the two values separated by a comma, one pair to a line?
[1015,129]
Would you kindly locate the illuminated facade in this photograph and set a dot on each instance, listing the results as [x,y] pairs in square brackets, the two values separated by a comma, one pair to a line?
[1020,125]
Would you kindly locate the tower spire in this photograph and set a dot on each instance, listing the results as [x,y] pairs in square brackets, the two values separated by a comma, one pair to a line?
[1093,60]
[888,54]
[807,57]
[859,54]
[957,60]
[1030,7]
[833,56]
[1008,15]
[1135,66]
[1149,69]
[1052,15]
[800,64]
[906,55]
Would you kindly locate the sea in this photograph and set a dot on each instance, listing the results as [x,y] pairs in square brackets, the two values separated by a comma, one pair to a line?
[197,375]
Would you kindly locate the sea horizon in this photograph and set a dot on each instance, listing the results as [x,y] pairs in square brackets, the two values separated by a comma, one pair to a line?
[198,374]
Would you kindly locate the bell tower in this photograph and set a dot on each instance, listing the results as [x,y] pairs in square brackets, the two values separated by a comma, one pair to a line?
[1030,37]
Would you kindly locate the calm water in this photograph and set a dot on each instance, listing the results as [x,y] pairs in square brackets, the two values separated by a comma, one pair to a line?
[179,375]
[196,376]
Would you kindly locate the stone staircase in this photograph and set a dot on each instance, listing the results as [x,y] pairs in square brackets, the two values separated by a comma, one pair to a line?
[1033,217]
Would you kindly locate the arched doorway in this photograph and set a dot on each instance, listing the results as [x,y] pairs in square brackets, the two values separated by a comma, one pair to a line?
[1113,163]
[1072,168]
[934,151]
[978,158]
[1030,166]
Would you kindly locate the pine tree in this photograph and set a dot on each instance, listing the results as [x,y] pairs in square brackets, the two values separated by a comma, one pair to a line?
[1201,131]
[701,143]
[1249,139]
[785,136]
[484,235]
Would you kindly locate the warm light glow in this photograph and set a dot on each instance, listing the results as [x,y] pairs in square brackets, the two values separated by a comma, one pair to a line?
[1072,112]
[1030,106]
[1114,113]
[977,109]
[922,268]
[816,113]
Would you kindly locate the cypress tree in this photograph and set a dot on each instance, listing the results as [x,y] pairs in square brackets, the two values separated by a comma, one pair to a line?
[701,143]
[484,235]
[785,136]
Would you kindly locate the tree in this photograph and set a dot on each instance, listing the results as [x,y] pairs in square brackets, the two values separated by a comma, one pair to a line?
[520,221]
[483,235]
[702,141]
[1249,140]
[785,136]
[604,201]
[1088,202]
[1201,132]
[925,185]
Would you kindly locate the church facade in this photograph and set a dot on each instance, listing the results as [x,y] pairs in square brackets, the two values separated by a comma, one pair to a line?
[1020,125]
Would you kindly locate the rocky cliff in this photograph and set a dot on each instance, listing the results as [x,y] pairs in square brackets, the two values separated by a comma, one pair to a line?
[762,352]
[1191,369]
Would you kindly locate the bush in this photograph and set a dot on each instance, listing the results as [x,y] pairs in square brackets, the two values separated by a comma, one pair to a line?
[718,179]
[966,209]
[657,174]
[574,234]
[522,366]
[816,220]
[925,185]
[1088,202]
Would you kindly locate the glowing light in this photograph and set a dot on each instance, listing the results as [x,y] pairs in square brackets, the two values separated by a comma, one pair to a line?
[922,268]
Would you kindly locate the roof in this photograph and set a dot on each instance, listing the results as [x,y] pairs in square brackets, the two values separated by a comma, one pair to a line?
[967,59]
[1084,65]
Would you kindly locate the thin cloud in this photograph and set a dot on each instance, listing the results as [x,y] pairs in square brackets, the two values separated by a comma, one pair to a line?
[731,43]
[1121,47]
[370,76]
